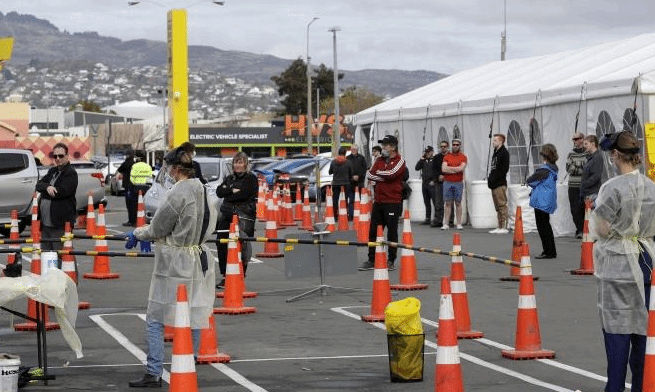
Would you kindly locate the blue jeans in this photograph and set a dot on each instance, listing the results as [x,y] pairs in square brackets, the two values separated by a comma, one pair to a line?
[155,339]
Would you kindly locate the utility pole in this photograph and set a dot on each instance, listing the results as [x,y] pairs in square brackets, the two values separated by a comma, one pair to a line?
[310,149]
[503,34]
[336,131]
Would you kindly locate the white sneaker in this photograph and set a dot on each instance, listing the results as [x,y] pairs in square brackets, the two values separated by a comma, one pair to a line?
[502,231]
[460,227]
[445,227]
[494,231]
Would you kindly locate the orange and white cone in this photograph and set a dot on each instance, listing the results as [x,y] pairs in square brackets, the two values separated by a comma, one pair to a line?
[15,235]
[460,297]
[517,250]
[528,335]
[381,290]
[343,211]
[208,350]
[364,217]
[271,249]
[307,213]
[329,211]
[587,248]
[242,278]
[278,208]
[448,369]
[90,217]
[101,268]
[261,201]
[408,272]
[298,212]
[35,210]
[169,333]
[649,361]
[288,208]
[356,211]
[233,298]
[69,264]
[140,211]
[183,365]
[35,268]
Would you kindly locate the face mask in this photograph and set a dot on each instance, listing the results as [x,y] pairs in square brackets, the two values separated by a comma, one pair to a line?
[169,181]
[385,153]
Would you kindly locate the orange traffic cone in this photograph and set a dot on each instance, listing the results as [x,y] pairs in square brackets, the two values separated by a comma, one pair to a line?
[35,268]
[408,273]
[381,290]
[329,210]
[271,249]
[517,244]
[35,210]
[278,208]
[101,268]
[140,211]
[288,210]
[15,235]
[233,298]
[183,367]
[587,251]
[364,217]
[448,370]
[298,212]
[90,218]
[356,211]
[69,264]
[208,350]
[460,297]
[242,278]
[649,361]
[307,212]
[528,335]
[261,201]
[343,211]
[169,332]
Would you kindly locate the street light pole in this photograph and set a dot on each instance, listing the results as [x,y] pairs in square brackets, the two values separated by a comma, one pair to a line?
[336,128]
[503,34]
[310,149]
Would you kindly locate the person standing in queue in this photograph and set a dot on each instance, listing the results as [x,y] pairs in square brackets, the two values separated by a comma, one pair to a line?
[429,176]
[543,199]
[387,173]
[575,162]
[239,192]
[622,224]
[140,174]
[191,148]
[453,166]
[182,224]
[592,172]
[123,173]
[57,205]
[497,182]
[342,171]
[359,167]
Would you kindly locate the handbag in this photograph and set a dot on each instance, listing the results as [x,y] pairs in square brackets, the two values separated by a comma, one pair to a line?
[407,190]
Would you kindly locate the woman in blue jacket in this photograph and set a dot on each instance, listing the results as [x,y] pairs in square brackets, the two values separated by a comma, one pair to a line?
[543,198]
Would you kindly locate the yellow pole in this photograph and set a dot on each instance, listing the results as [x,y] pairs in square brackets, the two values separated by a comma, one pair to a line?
[178,79]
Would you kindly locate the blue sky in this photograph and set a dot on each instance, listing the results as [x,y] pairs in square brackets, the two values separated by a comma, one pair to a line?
[438,35]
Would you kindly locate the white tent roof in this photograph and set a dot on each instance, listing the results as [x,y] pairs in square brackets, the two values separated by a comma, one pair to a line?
[605,70]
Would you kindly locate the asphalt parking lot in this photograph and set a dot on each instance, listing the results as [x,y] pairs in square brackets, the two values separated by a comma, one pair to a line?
[318,343]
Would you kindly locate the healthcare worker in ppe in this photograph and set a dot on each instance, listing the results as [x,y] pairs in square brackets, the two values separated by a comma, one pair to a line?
[623,225]
[185,219]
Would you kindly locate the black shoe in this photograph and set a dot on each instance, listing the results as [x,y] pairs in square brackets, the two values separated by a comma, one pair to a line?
[425,222]
[391,266]
[129,224]
[221,285]
[147,381]
[578,235]
[368,265]
[545,256]
[435,224]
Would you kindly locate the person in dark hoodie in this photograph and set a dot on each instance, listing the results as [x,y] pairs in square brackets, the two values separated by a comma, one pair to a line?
[543,198]
[360,166]
[592,172]
[239,193]
[342,171]
[497,182]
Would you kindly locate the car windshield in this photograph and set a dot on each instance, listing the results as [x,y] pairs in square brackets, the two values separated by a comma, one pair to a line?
[210,170]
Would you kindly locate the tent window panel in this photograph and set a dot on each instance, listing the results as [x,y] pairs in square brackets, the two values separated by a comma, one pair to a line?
[443,136]
[536,142]
[518,153]
[631,122]
[457,134]
[605,126]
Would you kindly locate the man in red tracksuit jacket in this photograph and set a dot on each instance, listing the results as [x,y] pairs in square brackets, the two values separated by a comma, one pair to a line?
[387,172]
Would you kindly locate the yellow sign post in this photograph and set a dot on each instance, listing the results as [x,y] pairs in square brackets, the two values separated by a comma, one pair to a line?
[178,79]
[6,47]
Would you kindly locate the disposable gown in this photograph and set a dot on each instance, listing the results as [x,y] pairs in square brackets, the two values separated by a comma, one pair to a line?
[627,203]
[176,227]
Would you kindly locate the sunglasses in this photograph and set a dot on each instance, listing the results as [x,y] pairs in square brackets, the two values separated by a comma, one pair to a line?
[59,156]
[455,145]
[444,146]
[576,138]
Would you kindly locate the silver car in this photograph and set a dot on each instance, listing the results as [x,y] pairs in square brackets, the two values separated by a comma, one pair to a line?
[19,174]
[213,169]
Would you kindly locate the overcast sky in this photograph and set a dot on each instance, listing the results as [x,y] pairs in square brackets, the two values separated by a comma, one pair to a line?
[438,35]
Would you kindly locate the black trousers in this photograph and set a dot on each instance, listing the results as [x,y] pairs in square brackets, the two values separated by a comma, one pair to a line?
[387,215]
[131,200]
[577,208]
[545,232]
[246,229]
[429,199]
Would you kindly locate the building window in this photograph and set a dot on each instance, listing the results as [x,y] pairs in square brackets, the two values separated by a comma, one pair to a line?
[535,143]
[518,154]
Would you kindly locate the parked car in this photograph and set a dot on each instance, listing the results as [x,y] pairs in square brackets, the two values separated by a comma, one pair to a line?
[273,169]
[213,169]
[325,177]
[19,175]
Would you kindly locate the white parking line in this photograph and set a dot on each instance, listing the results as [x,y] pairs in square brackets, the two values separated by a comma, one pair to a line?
[470,358]
[141,356]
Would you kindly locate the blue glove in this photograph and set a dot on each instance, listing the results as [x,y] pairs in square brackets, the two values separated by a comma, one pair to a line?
[145,246]
[131,240]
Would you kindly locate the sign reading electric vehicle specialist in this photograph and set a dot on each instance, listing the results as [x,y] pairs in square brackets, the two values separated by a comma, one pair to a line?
[207,136]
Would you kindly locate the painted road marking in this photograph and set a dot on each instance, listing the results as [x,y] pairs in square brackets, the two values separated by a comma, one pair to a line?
[472,359]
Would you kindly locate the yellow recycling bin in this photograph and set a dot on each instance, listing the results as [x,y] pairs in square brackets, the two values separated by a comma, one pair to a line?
[405,340]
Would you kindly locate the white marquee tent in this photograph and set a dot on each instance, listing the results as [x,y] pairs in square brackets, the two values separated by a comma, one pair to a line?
[532,101]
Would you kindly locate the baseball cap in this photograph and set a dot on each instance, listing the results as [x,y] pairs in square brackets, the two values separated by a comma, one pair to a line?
[389,139]
[429,148]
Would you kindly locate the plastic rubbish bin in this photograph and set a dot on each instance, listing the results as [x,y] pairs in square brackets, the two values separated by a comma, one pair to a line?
[405,340]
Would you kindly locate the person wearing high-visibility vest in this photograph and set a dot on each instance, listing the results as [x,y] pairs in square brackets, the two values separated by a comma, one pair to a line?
[139,175]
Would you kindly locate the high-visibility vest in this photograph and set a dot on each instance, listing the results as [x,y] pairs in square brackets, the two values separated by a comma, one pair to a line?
[141,172]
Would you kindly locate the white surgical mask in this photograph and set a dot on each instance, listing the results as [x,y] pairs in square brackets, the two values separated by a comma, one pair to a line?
[385,153]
